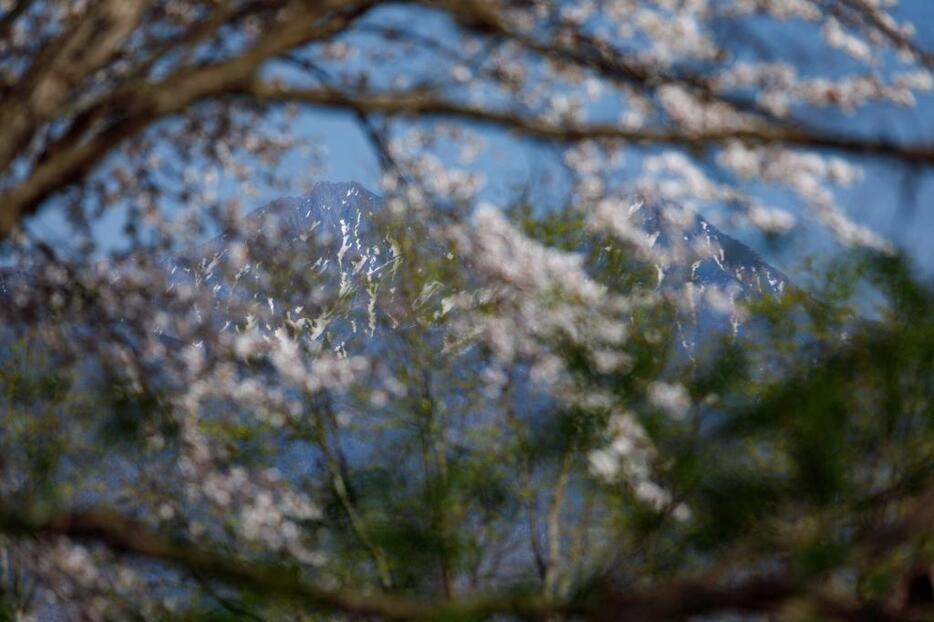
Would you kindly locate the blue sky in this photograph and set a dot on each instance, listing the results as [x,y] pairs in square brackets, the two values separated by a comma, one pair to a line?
[892,200]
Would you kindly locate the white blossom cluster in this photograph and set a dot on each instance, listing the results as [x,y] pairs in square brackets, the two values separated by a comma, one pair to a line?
[629,456]
[542,296]
[807,175]
[86,581]
[538,293]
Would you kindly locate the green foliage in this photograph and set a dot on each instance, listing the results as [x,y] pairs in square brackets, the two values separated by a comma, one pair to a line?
[804,437]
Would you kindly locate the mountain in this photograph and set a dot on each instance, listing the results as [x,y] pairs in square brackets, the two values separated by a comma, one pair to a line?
[709,270]
[706,255]
[299,254]
[685,247]
[331,238]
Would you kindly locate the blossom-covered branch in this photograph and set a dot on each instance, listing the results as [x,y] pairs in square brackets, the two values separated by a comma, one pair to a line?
[427,104]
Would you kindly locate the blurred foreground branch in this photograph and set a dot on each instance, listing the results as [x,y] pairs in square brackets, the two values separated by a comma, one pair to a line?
[676,599]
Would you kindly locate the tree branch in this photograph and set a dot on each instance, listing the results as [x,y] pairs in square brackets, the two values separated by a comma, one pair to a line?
[675,599]
[142,105]
[871,18]
[62,65]
[426,104]
[126,536]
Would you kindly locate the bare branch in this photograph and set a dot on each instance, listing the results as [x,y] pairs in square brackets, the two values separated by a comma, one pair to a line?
[142,105]
[426,104]
[127,536]
[674,600]
[62,65]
